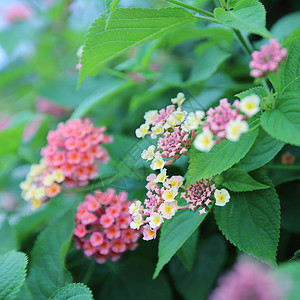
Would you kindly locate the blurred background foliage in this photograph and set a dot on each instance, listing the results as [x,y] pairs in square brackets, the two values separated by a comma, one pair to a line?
[39,43]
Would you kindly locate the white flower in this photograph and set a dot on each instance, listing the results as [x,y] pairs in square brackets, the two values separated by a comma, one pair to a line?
[58,176]
[180,98]
[157,129]
[35,170]
[148,153]
[48,180]
[142,131]
[179,116]
[134,208]
[171,121]
[157,163]
[161,177]
[155,220]
[40,193]
[25,185]
[175,181]
[30,194]
[222,197]
[168,209]
[204,141]
[235,128]
[250,105]
[170,194]
[137,221]
[150,116]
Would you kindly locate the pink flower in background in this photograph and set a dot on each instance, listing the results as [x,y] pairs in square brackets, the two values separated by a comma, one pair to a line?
[18,11]
[248,280]
[31,129]
[45,106]
[102,226]
[267,59]
[70,159]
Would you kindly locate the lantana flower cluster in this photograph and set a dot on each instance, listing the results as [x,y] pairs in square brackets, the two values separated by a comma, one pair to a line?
[175,129]
[226,122]
[102,226]
[70,158]
[267,59]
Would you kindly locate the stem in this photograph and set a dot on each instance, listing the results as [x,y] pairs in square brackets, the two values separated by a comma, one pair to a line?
[265,85]
[243,41]
[252,129]
[183,207]
[206,19]
[283,167]
[199,10]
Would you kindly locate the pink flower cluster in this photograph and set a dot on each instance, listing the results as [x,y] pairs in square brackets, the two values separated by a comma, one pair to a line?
[267,59]
[218,118]
[248,280]
[102,226]
[174,144]
[75,147]
[163,115]
[200,194]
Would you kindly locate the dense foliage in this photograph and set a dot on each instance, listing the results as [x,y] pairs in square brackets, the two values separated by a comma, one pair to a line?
[177,122]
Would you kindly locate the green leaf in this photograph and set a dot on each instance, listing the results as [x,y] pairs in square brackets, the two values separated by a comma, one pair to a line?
[174,233]
[73,291]
[12,273]
[207,64]
[109,87]
[129,278]
[196,284]
[296,255]
[48,272]
[8,238]
[11,138]
[289,73]
[258,90]
[251,221]
[110,6]
[127,28]
[238,180]
[286,25]
[187,252]
[289,272]
[263,150]
[283,123]
[220,158]
[249,15]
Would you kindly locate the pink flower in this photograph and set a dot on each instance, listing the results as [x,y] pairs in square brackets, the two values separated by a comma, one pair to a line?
[248,280]
[18,11]
[267,59]
[149,233]
[97,232]
[45,106]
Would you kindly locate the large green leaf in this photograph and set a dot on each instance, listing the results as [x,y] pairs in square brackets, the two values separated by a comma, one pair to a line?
[188,250]
[207,63]
[289,73]
[251,221]
[283,122]
[238,180]
[263,150]
[47,270]
[127,28]
[8,238]
[12,273]
[129,278]
[174,233]
[249,15]
[73,291]
[258,90]
[196,284]
[220,158]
